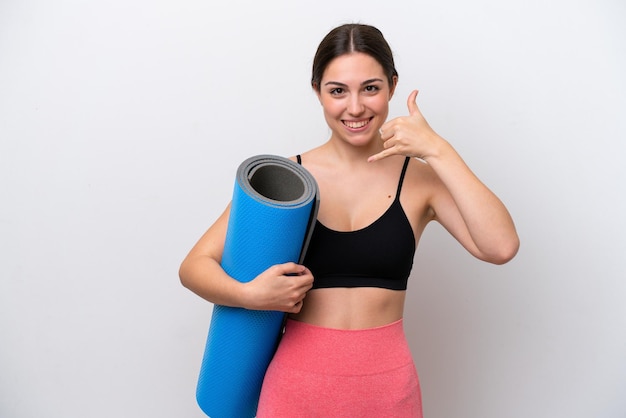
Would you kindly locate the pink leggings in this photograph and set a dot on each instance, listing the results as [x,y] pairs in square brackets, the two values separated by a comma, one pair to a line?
[324,373]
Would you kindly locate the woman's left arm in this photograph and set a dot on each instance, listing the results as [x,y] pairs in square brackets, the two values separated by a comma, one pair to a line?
[471,212]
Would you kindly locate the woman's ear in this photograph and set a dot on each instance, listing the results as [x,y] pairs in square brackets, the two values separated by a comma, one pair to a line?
[317,92]
[392,88]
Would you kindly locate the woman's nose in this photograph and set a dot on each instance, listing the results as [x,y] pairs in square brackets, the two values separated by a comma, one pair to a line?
[355,106]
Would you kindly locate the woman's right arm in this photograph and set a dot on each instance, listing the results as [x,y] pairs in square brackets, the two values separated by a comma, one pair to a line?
[281,287]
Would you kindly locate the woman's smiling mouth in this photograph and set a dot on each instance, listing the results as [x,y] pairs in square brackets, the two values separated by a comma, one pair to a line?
[356,124]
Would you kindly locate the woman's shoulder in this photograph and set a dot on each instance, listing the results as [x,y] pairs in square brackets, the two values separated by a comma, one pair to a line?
[311,153]
[421,182]
[419,171]
[312,157]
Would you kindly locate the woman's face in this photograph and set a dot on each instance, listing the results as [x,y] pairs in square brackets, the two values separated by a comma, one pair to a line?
[355,93]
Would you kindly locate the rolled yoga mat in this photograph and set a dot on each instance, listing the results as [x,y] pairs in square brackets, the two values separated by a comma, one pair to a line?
[273,210]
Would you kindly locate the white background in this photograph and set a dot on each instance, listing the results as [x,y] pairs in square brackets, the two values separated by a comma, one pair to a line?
[122,123]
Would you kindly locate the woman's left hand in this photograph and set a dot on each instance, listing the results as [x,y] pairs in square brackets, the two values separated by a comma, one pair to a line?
[410,135]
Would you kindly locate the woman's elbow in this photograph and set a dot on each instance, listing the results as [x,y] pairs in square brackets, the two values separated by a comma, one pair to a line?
[505,252]
[183,273]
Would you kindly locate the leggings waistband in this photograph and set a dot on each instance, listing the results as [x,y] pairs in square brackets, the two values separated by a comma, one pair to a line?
[344,352]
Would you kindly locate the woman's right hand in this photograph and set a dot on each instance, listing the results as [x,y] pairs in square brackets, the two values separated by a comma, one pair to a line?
[281,287]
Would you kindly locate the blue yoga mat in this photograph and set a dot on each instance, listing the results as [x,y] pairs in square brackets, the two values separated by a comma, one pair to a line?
[272,214]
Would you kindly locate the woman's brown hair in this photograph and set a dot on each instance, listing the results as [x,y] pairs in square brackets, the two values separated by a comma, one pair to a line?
[349,38]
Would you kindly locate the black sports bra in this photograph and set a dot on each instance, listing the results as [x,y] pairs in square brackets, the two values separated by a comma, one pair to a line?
[379,255]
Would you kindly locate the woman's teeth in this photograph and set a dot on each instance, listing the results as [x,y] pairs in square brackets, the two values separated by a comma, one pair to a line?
[355,124]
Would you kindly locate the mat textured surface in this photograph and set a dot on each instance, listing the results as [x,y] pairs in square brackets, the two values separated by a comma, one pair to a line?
[272,214]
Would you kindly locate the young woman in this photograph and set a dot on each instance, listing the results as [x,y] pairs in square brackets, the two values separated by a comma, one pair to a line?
[344,352]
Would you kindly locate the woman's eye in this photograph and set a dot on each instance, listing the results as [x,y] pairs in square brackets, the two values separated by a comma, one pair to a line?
[336,91]
[371,89]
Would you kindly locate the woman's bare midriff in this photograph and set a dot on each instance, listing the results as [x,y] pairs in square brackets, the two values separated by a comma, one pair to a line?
[351,308]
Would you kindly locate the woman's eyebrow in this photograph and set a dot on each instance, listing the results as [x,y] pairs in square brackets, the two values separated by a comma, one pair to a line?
[371,80]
